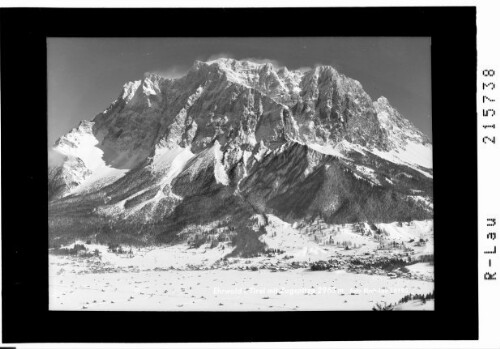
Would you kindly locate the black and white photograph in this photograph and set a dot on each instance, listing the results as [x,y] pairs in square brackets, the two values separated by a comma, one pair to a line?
[265,175]
[240,174]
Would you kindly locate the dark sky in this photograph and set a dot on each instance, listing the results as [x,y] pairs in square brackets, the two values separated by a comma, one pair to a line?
[86,75]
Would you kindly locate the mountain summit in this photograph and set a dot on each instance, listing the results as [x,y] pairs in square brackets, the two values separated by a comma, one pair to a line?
[230,142]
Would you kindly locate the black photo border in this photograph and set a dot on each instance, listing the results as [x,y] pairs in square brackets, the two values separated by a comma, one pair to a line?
[26,317]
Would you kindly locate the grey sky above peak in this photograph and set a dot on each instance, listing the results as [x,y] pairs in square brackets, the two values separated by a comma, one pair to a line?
[86,75]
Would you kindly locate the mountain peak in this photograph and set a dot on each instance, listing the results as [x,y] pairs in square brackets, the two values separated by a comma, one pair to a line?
[154,77]
[242,106]
[382,100]
[237,137]
[235,63]
[244,66]
[129,89]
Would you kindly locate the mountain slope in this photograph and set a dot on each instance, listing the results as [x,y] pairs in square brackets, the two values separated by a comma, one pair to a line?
[229,140]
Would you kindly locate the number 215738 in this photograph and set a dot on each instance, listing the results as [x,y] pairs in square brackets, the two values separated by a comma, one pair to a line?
[488,102]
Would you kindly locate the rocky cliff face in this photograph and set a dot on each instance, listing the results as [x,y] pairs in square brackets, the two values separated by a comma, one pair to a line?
[232,139]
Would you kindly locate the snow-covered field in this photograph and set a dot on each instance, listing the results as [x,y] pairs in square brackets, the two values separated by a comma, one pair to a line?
[182,278]
[228,290]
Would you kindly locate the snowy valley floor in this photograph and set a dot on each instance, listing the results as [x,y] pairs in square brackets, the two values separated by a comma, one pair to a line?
[230,290]
[180,278]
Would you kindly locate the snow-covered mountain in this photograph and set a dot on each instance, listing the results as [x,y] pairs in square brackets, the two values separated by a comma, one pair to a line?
[231,140]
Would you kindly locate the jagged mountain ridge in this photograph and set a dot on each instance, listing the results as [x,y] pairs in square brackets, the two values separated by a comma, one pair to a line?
[241,132]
